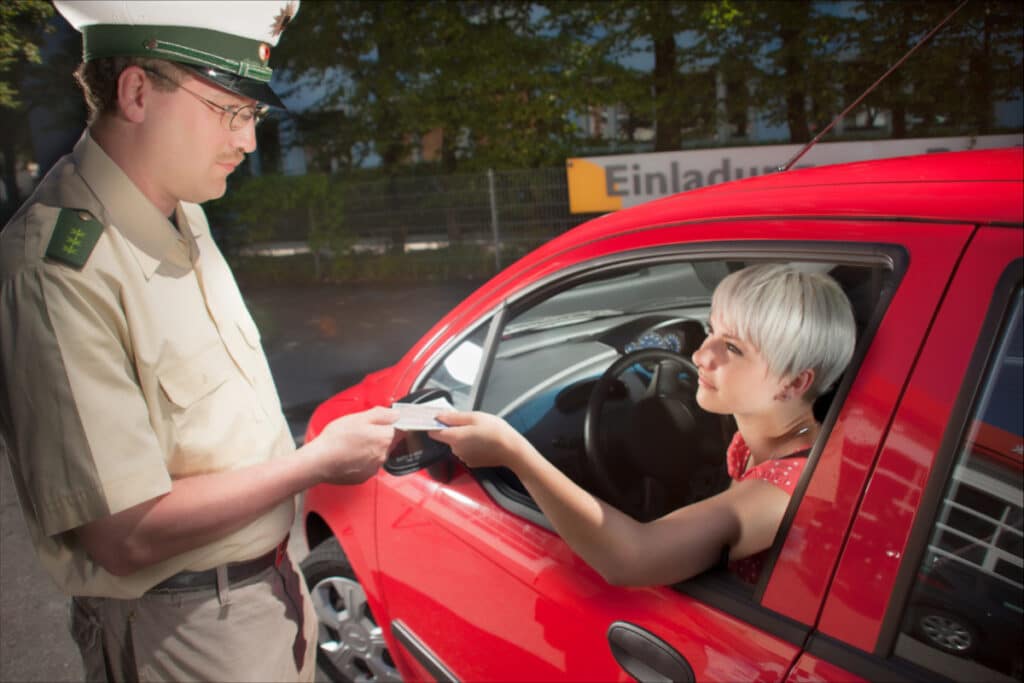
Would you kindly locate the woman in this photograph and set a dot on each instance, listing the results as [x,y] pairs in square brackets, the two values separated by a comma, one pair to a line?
[777,338]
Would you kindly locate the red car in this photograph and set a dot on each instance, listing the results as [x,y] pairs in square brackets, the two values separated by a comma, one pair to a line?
[900,556]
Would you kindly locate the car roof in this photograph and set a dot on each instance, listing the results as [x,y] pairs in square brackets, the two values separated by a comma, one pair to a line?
[975,187]
[982,187]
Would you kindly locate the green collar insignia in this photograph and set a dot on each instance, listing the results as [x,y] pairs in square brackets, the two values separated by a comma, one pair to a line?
[74,237]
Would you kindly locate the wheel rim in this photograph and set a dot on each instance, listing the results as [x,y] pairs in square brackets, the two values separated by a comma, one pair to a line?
[348,636]
[947,633]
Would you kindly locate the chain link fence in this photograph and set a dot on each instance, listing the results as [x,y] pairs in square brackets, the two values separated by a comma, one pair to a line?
[401,228]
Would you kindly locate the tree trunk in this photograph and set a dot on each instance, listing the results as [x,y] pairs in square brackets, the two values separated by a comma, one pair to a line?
[981,70]
[667,126]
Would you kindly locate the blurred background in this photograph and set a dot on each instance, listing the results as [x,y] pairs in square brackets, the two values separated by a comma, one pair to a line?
[428,141]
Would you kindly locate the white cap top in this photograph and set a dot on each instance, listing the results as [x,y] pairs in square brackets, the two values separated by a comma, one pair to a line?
[261,20]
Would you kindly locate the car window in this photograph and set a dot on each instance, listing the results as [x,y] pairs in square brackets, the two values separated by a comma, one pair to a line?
[554,351]
[457,370]
[964,616]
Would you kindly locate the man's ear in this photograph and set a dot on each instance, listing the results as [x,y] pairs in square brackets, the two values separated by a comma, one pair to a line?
[133,90]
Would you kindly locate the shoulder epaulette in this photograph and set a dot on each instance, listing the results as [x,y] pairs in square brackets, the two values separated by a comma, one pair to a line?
[74,237]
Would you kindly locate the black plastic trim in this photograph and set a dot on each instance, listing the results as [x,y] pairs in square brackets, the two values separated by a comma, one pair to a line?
[978,371]
[489,350]
[421,653]
[720,589]
[646,657]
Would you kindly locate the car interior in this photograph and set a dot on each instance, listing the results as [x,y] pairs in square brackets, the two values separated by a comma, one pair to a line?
[595,370]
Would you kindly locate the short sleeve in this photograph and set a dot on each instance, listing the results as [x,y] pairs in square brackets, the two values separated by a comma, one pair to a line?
[76,420]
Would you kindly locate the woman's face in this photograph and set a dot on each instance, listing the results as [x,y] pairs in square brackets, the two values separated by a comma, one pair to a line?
[733,376]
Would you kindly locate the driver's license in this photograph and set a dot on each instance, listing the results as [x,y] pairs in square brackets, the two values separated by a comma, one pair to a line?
[421,417]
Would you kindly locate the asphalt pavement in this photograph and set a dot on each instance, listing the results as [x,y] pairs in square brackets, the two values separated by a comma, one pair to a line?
[318,340]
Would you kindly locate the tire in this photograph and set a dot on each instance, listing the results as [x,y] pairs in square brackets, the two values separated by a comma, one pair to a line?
[350,643]
[946,631]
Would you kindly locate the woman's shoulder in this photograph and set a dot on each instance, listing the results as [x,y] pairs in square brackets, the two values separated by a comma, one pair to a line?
[782,472]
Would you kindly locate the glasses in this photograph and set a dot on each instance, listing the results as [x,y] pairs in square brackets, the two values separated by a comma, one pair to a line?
[235,118]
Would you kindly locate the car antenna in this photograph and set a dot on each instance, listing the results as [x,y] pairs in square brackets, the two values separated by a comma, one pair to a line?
[789,164]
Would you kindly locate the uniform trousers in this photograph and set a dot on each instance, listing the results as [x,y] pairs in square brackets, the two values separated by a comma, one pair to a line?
[260,629]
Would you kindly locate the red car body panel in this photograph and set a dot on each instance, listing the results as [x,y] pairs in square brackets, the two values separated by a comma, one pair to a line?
[859,596]
[523,588]
[445,560]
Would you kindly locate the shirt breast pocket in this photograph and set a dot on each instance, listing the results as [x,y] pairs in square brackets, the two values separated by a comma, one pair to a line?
[204,406]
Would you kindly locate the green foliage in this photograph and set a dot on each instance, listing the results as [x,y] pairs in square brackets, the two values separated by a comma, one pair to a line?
[953,82]
[27,82]
[495,83]
[22,27]
[263,208]
[501,84]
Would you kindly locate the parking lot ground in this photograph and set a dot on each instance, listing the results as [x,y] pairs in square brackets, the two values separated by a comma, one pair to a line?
[318,340]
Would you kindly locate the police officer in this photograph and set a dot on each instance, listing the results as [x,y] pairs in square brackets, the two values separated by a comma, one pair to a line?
[153,464]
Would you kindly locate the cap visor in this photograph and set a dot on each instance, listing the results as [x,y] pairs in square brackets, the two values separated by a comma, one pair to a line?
[246,87]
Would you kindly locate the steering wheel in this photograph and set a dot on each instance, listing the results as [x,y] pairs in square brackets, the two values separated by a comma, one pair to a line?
[661,422]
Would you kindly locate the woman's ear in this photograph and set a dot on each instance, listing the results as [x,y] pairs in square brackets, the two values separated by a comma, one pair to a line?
[132,94]
[800,384]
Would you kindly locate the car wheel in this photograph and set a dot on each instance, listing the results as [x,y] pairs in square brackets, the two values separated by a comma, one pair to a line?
[350,643]
[947,631]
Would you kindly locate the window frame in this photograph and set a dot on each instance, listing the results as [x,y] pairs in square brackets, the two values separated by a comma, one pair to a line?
[711,587]
[978,373]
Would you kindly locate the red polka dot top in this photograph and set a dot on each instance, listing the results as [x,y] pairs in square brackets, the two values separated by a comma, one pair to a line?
[783,471]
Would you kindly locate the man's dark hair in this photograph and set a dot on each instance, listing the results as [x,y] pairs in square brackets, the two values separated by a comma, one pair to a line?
[98,80]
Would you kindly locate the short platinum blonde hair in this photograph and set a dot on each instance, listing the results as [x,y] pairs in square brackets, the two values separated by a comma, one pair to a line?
[797,320]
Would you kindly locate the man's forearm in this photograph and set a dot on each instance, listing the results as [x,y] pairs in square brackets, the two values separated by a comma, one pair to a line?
[198,510]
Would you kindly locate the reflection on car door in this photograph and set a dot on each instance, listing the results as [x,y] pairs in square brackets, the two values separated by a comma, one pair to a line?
[508,596]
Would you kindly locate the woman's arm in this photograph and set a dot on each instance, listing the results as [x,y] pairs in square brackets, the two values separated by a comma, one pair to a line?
[624,551]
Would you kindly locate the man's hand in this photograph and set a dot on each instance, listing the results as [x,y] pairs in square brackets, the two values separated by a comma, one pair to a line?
[351,449]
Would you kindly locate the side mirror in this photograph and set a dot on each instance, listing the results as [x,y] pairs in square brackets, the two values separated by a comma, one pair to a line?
[417,450]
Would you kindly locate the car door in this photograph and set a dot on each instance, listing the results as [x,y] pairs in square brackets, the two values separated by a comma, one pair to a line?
[929,585]
[479,588]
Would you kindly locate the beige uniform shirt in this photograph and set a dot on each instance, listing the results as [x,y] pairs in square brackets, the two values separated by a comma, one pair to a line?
[140,368]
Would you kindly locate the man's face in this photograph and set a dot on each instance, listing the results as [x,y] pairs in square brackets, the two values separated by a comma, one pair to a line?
[195,150]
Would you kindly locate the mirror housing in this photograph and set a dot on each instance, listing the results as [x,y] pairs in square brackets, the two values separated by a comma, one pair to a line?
[417,450]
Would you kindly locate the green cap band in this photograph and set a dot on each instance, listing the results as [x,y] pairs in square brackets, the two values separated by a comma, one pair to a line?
[199,46]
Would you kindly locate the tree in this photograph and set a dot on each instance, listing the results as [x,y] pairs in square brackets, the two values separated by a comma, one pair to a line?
[794,66]
[23,25]
[486,76]
[677,95]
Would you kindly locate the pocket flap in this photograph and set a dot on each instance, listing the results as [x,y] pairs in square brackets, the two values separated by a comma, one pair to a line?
[190,381]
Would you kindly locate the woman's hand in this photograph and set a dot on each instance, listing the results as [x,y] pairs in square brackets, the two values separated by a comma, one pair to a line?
[481,439]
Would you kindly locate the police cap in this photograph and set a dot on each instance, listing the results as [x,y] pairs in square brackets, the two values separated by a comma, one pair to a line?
[226,42]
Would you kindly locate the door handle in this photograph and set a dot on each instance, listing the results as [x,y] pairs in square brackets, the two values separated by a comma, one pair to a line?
[646,657]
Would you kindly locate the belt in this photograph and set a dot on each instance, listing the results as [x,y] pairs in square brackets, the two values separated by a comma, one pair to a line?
[237,571]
